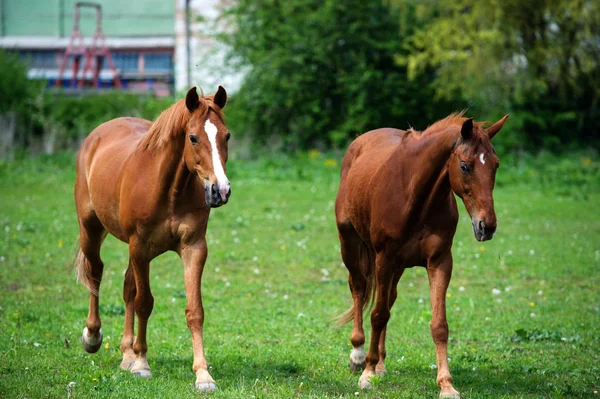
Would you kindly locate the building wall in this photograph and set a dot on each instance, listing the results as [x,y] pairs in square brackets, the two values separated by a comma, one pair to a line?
[55,18]
[209,68]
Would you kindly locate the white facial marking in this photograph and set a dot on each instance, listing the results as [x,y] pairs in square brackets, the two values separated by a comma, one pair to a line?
[482,158]
[358,356]
[211,132]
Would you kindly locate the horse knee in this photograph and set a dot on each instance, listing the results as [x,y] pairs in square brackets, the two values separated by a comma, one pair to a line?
[380,318]
[439,331]
[143,305]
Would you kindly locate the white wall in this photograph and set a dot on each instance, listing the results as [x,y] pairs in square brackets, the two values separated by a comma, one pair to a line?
[209,68]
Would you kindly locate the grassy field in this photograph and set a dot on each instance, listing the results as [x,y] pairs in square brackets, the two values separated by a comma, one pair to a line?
[523,309]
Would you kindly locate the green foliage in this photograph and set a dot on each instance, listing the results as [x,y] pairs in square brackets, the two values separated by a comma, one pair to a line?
[537,60]
[72,117]
[321,72]
[16,89]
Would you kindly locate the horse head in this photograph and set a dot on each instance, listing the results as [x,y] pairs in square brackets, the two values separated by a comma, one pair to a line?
[206,145]
[472,170]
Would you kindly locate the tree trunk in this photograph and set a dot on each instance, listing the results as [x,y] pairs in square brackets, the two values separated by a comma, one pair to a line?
[7,133]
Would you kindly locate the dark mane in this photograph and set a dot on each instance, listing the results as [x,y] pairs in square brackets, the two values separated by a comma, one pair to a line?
[173,120]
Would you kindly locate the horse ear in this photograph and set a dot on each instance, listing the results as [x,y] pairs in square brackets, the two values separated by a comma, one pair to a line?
[191,99]
[467,129]
[220,98]
[495,128]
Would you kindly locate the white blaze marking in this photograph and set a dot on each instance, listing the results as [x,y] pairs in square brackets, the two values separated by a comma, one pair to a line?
[358,356]
[482,158]
[211,132]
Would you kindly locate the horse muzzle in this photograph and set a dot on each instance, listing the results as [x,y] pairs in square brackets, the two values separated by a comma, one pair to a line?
[217,194]
[483,231]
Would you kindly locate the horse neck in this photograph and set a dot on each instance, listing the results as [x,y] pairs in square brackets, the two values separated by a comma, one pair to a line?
[432,183]
[172,173]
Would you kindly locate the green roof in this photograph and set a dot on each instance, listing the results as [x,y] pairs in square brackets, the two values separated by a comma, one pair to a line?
[55,18]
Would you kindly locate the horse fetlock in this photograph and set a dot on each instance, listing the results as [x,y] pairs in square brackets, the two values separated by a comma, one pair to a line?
[91,341]
[357,359]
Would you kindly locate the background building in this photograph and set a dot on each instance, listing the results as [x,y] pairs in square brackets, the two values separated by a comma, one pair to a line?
[147,40]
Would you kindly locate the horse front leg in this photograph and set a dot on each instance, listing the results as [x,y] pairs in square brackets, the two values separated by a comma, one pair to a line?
[129,292]
[193,258]
[439,271]
[143,304]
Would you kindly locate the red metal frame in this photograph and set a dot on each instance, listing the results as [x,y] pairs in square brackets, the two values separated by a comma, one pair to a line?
[94,55]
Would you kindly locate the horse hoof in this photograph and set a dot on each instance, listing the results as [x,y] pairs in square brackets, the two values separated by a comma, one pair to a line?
[381,372]
[356,367]
[126,365]
[144,373]
[91,343]
[450,393]
[206,386]
[364,384]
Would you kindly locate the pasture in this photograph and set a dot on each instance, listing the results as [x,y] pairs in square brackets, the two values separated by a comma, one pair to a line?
[523,309]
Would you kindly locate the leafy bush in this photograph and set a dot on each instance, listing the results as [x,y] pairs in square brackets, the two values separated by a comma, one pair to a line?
[321,72]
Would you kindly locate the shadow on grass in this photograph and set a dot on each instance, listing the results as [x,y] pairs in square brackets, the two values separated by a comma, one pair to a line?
[238,372]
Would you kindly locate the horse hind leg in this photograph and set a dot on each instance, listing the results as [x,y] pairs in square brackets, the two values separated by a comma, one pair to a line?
[380,367]
[357,260]
[89,271]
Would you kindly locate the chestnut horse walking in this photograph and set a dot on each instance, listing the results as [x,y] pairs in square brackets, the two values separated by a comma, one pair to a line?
[395,209]
[152,185]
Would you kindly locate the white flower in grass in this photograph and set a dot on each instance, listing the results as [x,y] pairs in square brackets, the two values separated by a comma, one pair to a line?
[286,297]
[254,258]
[173,300]
[420,300]
[256,271]
[325,272]
[233,232]
[531,252]
[509,252]
[461,288]
[2,258]
[37,344]
[227,284]
[507,288]
[300,315]
[433,367]
[532,315]
[217,269]
[236,240]
[540,292]
[411,285]
[496,291]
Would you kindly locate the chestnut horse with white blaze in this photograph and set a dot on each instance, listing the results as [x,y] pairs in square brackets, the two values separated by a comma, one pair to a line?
[395,209]
[152,185]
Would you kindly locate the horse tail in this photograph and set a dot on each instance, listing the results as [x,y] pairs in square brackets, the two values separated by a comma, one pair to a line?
[84,270]
[366,262]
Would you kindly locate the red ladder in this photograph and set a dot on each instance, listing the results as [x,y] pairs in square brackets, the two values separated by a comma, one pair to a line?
[93,55]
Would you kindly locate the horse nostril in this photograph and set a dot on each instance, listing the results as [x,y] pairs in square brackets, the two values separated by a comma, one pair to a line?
[481,225]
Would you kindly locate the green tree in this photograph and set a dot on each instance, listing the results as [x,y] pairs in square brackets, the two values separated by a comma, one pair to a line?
[537,59]
[320,72]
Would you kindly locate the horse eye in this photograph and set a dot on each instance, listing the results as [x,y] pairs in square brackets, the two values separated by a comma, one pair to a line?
[464,167]
[227,136]
[193,138]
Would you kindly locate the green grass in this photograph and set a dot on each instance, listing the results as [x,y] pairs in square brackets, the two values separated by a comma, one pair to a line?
[274,279]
